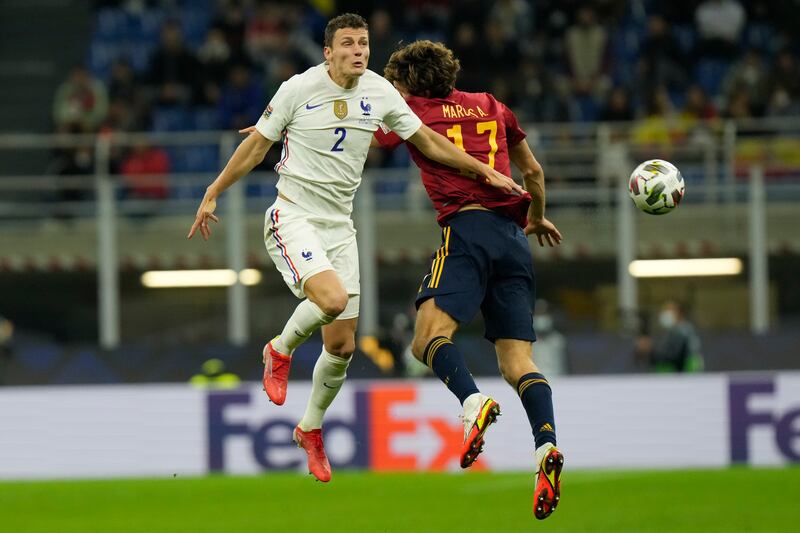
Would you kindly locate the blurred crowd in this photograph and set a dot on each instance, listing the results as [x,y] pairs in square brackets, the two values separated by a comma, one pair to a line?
[213,64]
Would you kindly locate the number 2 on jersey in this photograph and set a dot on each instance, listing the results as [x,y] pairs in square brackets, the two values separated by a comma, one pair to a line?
[343,133]
[481,128]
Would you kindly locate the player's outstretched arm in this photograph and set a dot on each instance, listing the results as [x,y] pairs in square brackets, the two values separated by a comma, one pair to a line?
[248,154]
[439,148]
[533,178]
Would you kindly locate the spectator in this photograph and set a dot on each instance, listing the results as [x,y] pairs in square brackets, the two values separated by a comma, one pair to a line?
[213,376]
[614,159]
[174,69]
[698,107]
[550,348]
[785,75]
[301,45]
[719,27]
[750,75]
[122,83]
[781,104]
[500,55]
[215,57]
[679,11]
[6,339]
[144,170]
[266,35]
[514,16]
[549,38]
[613,11]
[382,39]
[81,102]
[697,117]
[662,59]
[677,349]
[71,163]
[502,90]
[587,45]
[656,129]
[242,99]
[128,108]
[470,12]
[468,52]
[427,19]
[231,22]
[398,341]
[540,98]
[618,107]
[739,106]
[120,118]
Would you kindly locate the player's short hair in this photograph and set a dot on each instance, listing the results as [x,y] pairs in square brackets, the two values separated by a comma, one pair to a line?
[345,20]
[425,68]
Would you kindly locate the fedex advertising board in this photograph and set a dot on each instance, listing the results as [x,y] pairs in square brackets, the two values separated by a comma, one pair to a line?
[165,430]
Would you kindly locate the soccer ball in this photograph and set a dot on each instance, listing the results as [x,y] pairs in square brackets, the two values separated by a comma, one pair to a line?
[656,187]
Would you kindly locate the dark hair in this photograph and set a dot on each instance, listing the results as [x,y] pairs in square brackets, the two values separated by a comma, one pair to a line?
[346,20]
[425,68]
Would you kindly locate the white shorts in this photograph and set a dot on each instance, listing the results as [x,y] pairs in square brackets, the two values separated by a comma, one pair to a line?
[302,244]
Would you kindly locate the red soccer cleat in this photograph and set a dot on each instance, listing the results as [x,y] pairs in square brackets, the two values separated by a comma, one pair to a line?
[276,373]
[478,415]
[548,484]
[311,442]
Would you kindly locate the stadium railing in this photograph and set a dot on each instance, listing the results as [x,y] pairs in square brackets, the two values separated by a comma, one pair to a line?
[94,220]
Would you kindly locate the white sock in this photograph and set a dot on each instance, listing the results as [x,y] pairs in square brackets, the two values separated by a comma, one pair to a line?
[329,374]
[306,319]
[472,401]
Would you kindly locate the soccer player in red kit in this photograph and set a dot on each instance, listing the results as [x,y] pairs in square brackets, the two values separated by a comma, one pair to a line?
[484,261]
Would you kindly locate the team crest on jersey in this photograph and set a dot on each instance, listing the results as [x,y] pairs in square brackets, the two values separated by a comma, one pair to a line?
[366,107]
[340,109]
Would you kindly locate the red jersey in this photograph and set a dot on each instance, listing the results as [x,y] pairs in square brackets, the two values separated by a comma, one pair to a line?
[479,125]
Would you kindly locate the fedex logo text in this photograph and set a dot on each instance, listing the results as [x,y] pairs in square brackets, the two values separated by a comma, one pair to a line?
[274,434]
[386,424]
[786,424]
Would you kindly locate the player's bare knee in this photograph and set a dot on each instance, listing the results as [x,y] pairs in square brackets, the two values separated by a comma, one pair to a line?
[510,378]
[423,338]
[513,366]
[343,348]
[507,372]
[333,304]
[418,346]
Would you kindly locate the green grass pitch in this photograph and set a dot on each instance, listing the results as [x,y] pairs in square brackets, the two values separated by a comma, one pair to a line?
[735,499]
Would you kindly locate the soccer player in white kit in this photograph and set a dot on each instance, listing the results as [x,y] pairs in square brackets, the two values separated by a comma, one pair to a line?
[325,119]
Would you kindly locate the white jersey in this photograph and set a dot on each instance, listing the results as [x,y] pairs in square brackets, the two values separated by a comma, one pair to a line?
[326,133]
